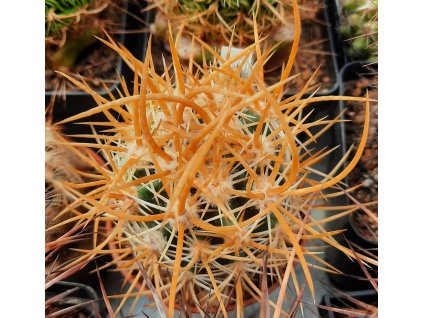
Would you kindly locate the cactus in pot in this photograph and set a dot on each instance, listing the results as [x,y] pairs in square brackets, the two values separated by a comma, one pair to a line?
[209,181]
[71,46]
[218,21]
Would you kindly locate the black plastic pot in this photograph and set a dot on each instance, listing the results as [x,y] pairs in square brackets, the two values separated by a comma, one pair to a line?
[76,102]
[331,18]
[333,137]
[355,70]
[84,297]
[354,278]
[334,14]
[88,275]
[366,296]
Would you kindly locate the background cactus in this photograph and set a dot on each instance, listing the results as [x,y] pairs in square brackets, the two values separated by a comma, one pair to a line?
[217,21]
[210,180]
[359,28]
[68,173]
[61,166]
[61,13]
[70,27]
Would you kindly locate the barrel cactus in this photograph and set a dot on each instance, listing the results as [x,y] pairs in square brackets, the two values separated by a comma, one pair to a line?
[208,186]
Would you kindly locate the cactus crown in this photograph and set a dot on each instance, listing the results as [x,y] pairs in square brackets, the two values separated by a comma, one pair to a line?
[209,181]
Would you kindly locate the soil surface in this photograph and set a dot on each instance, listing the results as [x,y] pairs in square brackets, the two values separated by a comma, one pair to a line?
[366,171]
[314,51]
[95,64]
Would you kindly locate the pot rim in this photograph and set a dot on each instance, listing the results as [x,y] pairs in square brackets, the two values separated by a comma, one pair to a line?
[354,228]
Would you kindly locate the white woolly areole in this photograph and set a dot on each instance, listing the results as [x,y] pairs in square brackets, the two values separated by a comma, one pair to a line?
[154,240]
[284,33]
[186,48]
[262,154]
[219,190]
[263,203]
[171,165]
[135,151]
[191,211]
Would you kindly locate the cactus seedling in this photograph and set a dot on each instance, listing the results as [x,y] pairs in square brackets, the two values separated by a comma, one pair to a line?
[208,172]
[71,28]
[60,13]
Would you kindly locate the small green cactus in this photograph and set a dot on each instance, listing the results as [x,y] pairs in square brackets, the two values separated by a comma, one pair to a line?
[70,27]
[62,13]
[359,28]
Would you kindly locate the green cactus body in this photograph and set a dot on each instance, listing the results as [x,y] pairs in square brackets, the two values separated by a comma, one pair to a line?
[359,28]
[75,44]
[70,28]
[61,8]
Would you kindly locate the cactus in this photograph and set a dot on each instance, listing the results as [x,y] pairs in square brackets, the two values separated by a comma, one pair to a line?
[70,27]
[60,14]
[218,21]
[359,27]
[59,160]
[69,172]
[210,180]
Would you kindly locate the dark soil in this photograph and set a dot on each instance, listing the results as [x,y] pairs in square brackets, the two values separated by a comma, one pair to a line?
[366,171]
[96,64]
[313,51]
